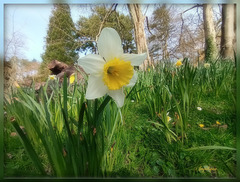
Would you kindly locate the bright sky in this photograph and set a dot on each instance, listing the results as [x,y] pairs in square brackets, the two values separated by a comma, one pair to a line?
[30,22]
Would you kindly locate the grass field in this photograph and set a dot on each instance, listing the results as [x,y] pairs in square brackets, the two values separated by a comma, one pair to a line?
[176,122]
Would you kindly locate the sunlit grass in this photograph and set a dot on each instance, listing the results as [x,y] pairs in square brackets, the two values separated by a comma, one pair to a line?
[71,136]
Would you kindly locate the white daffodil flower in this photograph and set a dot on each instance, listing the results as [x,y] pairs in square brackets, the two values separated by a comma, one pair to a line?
[199,108]
[207,65]
[52,77]
[111,70]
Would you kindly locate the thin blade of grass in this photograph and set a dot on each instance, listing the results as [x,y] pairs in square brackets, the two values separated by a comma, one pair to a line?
[210,148]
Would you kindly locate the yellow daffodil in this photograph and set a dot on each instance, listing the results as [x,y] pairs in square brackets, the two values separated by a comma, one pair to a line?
[201,125]
[111,70]
[16,84]
[52,77]
[72,78]
[218,123]
[169,118]
[178,63]
[206,65]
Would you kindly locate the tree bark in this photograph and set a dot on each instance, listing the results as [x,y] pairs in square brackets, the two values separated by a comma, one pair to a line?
[228,32]
[140,37]
[210,33]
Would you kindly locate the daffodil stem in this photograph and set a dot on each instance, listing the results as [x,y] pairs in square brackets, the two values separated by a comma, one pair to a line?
[80,119]
[137,91]
[131,91]
[103,105]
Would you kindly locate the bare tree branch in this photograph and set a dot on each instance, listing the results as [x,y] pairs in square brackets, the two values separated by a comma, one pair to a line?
[180,38]
[113,8]
[148,26]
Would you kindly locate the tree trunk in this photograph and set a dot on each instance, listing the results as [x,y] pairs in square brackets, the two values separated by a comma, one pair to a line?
[140,38]
[228,34]
[235,28]
[210,34]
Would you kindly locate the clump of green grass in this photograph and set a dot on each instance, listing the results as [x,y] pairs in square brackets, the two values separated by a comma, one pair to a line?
[73,134]
[155,134]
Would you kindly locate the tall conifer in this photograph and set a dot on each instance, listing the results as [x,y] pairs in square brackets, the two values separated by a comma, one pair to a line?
[60,40]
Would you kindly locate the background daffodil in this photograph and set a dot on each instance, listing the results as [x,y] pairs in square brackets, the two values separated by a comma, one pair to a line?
[179,63]
[16,84]
[201,125]
[199,108]
[111,70]
[52,77]
[207,65]
[72,78]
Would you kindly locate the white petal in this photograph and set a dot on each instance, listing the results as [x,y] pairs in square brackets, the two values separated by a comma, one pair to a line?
[118,96]
[95,88]
[92,64]
[133,80]
[109,44]
[136,59]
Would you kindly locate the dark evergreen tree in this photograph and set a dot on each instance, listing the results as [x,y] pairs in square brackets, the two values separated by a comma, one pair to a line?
[61,37]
